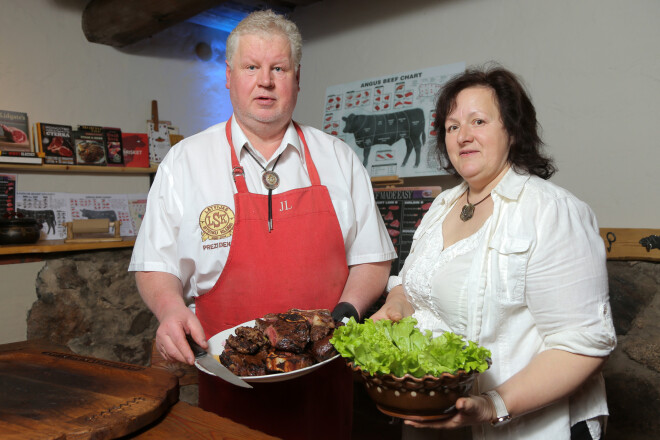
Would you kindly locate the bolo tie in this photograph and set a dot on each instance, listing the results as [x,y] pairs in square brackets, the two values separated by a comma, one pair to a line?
[271,180]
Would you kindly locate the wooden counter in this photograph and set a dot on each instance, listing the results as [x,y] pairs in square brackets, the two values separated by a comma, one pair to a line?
[49,393]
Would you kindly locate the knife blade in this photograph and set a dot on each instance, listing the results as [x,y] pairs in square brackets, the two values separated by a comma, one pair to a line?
[206,360]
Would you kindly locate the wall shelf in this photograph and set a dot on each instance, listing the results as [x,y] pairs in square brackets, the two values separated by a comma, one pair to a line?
[77,169]
[23,253]
[51,246]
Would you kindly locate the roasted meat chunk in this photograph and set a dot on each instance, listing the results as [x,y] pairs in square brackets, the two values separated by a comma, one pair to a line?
[244,364]
[322,350]
[320,320]
[284,362]
[286,331]
[247,340]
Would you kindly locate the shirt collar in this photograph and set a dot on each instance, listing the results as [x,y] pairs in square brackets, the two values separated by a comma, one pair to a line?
[509,187]
[240,141]
[511,184]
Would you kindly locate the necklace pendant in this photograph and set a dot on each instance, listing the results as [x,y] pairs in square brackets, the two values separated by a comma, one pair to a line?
[467,212]
[270,180]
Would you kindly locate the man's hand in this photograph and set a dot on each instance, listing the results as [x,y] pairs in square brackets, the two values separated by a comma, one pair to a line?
[171,335]
[163,294]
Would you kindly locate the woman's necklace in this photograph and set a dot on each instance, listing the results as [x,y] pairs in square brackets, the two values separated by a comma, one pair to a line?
[468,209]
[271,180]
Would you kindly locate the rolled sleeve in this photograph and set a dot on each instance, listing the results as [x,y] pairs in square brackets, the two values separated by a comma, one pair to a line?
[155,248]
[370,241]
[567,286]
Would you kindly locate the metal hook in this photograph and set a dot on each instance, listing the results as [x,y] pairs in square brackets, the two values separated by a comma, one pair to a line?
[611,238]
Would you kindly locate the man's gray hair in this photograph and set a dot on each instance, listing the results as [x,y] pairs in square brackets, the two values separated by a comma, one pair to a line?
[266,23]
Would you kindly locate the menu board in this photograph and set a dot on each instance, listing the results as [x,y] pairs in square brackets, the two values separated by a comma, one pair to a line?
[7,194]
[402,210]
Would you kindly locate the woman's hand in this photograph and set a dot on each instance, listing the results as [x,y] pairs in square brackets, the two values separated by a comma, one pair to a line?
[472,410]
[396,306]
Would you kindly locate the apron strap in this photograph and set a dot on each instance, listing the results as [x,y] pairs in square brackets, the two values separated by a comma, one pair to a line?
[236,169]
[239,174]
[311,168]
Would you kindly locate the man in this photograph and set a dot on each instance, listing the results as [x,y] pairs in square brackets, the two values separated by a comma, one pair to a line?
[259,215]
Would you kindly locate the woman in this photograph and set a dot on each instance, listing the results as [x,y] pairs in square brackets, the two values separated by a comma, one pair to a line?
[515,263]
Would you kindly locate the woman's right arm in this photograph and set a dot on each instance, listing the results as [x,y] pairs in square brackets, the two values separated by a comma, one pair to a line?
[396,306]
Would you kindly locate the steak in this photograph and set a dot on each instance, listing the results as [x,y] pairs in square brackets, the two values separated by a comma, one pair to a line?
[322,350]
[14,134]
[286,331]
[285,362]
[247,340]
[320,320]
[244,364]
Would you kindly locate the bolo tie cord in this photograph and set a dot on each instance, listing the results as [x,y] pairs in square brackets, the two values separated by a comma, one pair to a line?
[270,188]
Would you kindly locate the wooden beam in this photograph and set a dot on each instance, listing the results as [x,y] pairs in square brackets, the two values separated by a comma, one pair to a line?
[119,23]
[624,244]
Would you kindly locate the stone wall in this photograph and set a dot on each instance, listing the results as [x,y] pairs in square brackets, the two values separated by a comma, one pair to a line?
[89,302]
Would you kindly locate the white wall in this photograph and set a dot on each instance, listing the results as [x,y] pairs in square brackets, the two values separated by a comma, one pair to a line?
[592,68]
[49,70]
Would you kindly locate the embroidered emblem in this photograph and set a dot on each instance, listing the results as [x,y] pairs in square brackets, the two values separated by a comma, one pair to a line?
[216,222]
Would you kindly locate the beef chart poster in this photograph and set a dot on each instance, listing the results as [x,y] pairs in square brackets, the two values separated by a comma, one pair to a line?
[402,210]
[52,210]
[388,120]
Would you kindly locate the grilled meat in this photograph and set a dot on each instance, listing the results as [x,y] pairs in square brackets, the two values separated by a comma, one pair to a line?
[322,350]
[247,340]
[244,364]
[280,343]
[284,362]
[286,332]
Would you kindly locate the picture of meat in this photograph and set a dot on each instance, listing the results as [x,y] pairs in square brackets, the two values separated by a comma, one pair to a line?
[388,217]
[395,224]
[90,152]
[57,146]
[280,343]
[393,232]
[388,129]
[14,135]
[426,206]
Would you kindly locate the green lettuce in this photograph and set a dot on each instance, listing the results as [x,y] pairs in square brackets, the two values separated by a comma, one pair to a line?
[400,347]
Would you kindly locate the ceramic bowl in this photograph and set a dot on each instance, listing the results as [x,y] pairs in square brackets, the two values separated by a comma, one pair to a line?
[16,229]
[416,398]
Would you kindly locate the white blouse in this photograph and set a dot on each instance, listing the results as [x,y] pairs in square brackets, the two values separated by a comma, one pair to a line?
[438,277]
[537,281]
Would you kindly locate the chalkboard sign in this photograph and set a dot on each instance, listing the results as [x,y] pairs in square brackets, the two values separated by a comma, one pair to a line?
[402,210]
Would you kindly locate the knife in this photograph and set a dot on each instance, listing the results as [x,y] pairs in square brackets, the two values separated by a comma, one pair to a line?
[206,360]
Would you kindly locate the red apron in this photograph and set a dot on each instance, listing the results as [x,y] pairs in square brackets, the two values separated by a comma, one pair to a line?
[300,264]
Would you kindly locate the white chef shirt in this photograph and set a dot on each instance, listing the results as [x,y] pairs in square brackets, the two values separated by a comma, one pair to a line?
[538,281]
[196,174]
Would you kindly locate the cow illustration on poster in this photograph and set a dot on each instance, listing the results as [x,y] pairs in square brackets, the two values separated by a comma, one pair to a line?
[389,121]
[388,129]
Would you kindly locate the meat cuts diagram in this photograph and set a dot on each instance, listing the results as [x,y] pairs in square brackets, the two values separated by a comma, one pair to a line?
[389,120]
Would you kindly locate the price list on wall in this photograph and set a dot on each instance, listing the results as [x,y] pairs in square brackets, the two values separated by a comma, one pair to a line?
[402,210]
[7,193]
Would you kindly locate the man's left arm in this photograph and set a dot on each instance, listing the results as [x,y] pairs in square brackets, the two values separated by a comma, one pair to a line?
[365,283]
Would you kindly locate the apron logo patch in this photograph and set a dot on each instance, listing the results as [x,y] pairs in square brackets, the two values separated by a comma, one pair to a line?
[216,222]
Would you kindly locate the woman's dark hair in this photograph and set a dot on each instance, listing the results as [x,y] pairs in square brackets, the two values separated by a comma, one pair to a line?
[517,112]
